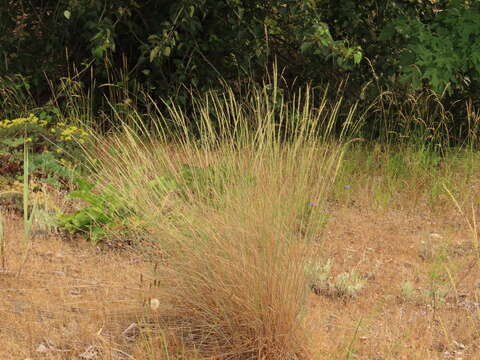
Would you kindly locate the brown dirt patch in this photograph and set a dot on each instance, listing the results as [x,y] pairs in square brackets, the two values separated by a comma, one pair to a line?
[434,253]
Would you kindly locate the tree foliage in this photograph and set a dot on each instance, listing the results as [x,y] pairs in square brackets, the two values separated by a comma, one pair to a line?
[163,44]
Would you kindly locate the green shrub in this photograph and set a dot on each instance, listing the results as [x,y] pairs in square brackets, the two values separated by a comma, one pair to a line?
[52,146]
[105,214]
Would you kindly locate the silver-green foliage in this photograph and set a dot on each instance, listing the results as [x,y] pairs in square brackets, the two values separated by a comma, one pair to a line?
[345,284]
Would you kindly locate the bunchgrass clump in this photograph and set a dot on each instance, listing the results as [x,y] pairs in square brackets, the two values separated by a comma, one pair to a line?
[408,291]
[231,233]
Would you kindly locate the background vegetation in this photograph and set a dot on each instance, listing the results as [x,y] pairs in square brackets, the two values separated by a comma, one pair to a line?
[166,48]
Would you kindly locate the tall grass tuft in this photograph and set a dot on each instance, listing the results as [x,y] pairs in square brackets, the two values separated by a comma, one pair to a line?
[26,195]
[27,215]
[2,243]
[234,229]
[15,97]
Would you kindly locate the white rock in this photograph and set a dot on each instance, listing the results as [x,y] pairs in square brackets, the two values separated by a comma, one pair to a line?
[90,353]
[131,331]
[42,348]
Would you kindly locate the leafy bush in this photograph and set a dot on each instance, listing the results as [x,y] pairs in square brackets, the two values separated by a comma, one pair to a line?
[51,145]
[169,43]
[105,214]
[443,52]
[167,48]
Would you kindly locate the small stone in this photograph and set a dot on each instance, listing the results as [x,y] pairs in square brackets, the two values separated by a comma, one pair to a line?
[75,292]
[154,304]
[42,348]
[47,346]
[131,332]
[90,353]
[436,236]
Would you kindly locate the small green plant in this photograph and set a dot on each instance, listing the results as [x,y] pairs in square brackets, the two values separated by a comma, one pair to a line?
[439,280]
[348,284]
[345,284]
[104,215]
[408,291]
[435,295]
[318,275]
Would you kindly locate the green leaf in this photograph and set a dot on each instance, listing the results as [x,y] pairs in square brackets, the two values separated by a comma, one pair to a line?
[154,53]
[83,185]
[67,14]
[98,52]
[96,235]
[357,57]
[305,47]
[81,220]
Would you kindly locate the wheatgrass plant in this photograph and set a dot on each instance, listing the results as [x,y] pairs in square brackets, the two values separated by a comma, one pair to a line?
[15,96]
[234,245]
[27,218]
[26,195]
[420,117]
[2,243]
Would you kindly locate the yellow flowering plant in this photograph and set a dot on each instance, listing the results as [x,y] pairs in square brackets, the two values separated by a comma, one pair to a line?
[52,144]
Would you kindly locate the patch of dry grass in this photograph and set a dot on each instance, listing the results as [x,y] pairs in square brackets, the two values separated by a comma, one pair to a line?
[69,297]
[438,319]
